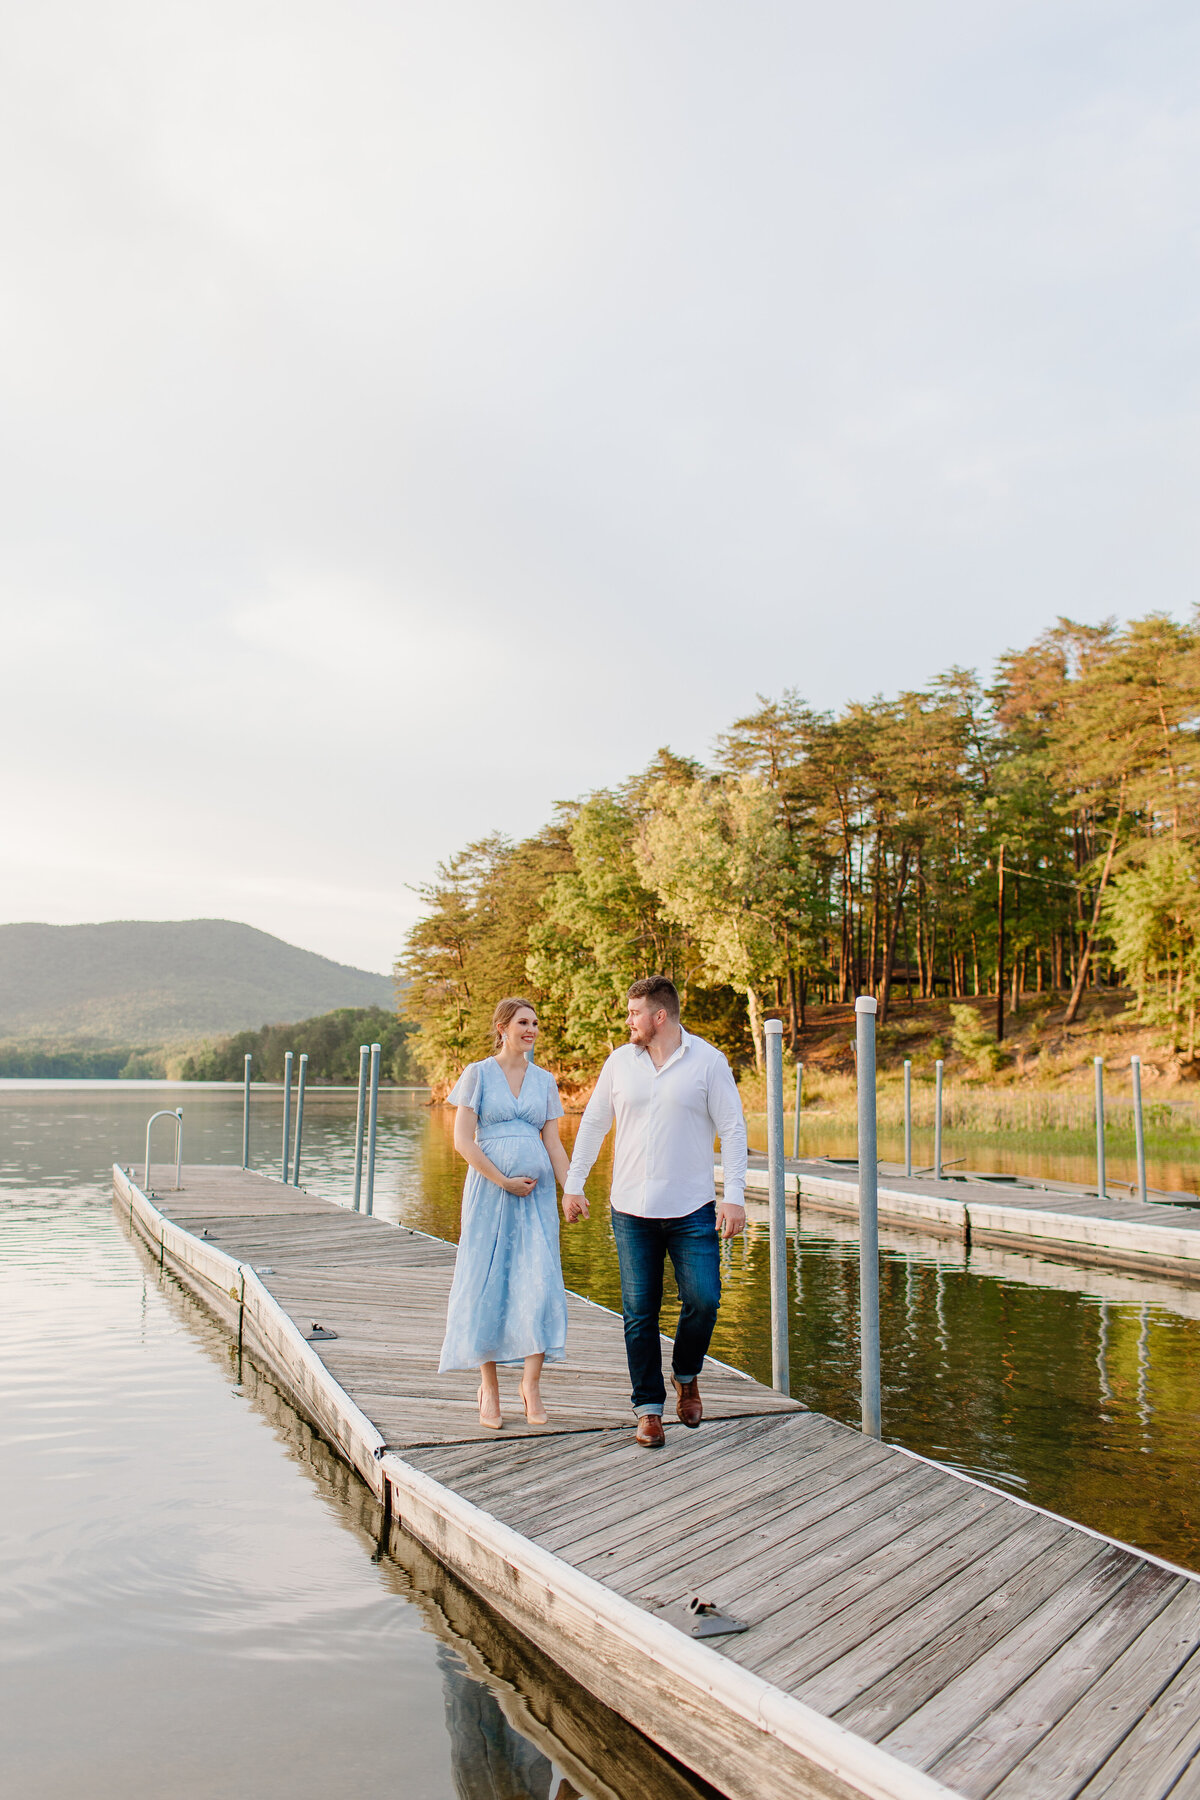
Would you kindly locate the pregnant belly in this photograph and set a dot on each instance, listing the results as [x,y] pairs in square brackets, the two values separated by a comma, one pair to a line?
[521,1153]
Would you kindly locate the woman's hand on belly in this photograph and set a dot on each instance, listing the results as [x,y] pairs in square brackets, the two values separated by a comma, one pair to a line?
[519,1185]
[521,1162]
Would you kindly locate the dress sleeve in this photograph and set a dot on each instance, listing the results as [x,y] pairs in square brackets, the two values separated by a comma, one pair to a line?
[467,1088]
[554,1106]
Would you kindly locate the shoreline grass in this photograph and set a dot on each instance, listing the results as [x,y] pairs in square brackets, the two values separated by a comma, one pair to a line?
[970,1108]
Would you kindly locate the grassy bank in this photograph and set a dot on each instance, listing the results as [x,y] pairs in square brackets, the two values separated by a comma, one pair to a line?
[1039,1089]
[979,1110]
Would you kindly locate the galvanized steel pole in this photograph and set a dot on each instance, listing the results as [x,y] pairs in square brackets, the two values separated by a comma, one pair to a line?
[370,1205]
[364,1058]
[908,1117]
[299,1115]
[246,1115]
[1135,1063]
[796,1120]
[1101,1181]
[868,1217]
[287,1115]
[999,952]
[937,1120]
[775,1153]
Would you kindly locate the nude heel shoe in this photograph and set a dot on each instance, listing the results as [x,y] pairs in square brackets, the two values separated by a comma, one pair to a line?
[542,1419]
[488,1424]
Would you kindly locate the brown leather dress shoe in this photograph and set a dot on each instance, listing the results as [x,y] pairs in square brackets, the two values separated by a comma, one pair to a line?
[687,1402]
[650,1432]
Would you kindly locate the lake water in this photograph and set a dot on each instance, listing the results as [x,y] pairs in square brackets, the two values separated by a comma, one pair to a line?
[194,1601]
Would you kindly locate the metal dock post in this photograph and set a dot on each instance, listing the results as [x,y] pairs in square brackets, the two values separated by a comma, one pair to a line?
[937,1120]
[1139,1132]
[868,1217]
[299,1116]
[779,1297]
[1101,1179]
[374,1116]
[287,1115]
[246,1114]
[908,1117]
[796,1119]
[364,1059]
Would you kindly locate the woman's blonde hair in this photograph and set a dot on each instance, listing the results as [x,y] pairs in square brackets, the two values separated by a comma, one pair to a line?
[505,1013]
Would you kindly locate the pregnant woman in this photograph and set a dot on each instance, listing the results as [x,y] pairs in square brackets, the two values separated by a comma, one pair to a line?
[507,1302]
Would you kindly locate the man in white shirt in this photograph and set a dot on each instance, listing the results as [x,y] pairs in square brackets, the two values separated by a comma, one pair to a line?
[669,1094]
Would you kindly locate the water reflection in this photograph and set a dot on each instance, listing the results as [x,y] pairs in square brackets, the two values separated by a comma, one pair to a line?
[1046,1377]
[491,1760]
[183,1616]
[514,1719]
[989,1357]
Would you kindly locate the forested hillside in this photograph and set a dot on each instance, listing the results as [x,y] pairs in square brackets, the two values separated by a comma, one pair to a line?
[823,855]
[169,982]
[330,1042]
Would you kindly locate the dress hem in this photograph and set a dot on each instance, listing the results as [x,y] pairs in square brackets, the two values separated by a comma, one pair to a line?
[503,1362]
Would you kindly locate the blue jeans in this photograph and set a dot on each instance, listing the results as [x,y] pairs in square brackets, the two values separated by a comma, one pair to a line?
[642,1248]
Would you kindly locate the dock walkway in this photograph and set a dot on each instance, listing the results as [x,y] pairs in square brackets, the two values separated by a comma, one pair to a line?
[911,1633]
[1054,1218]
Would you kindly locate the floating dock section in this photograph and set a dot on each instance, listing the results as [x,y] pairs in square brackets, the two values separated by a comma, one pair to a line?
[1055,1219]
[911,1634]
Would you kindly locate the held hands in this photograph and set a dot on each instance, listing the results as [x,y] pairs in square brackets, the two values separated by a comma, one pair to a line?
[520,1185]
[730,1220]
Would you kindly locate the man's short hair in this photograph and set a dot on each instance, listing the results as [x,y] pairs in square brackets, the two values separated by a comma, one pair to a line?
[660,993]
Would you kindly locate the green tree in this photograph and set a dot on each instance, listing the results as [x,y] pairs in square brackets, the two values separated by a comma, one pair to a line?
[727,871]
[600,928]
[471,947]
[330,1040]
[1153,914]
[849,852]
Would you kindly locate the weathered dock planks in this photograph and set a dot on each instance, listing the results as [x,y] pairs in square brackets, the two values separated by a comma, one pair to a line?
[1053,1220]
[911,1632]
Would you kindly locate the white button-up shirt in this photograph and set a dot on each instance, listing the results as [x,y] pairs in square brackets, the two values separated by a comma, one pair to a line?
[666,1120]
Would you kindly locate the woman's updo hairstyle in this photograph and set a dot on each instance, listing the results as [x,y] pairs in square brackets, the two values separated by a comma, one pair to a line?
[504,1015]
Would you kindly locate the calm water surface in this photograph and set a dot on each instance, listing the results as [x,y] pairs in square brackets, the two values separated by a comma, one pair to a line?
[192,1600]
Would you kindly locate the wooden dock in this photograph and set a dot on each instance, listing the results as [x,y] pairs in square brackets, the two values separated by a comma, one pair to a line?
[1053,1218]
[912,1633]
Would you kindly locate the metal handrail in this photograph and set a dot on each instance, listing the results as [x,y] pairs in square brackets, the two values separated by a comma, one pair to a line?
[166,1113]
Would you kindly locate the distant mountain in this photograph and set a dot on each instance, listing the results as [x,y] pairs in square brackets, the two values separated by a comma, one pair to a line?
[139,981]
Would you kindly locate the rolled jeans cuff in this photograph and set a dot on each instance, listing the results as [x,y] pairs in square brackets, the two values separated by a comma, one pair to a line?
[684,1379]
[641,1411]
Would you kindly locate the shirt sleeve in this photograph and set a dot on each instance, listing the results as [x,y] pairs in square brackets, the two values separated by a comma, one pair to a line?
[554,1105]
[465,1091]
[725,1111]
[594,1127]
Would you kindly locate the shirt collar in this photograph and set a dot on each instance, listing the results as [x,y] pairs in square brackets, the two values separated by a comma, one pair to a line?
[684,1041]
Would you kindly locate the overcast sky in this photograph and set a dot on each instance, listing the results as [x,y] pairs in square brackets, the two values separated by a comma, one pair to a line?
[416,414]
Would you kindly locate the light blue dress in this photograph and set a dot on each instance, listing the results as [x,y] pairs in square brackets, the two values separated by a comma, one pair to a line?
[507,1300]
